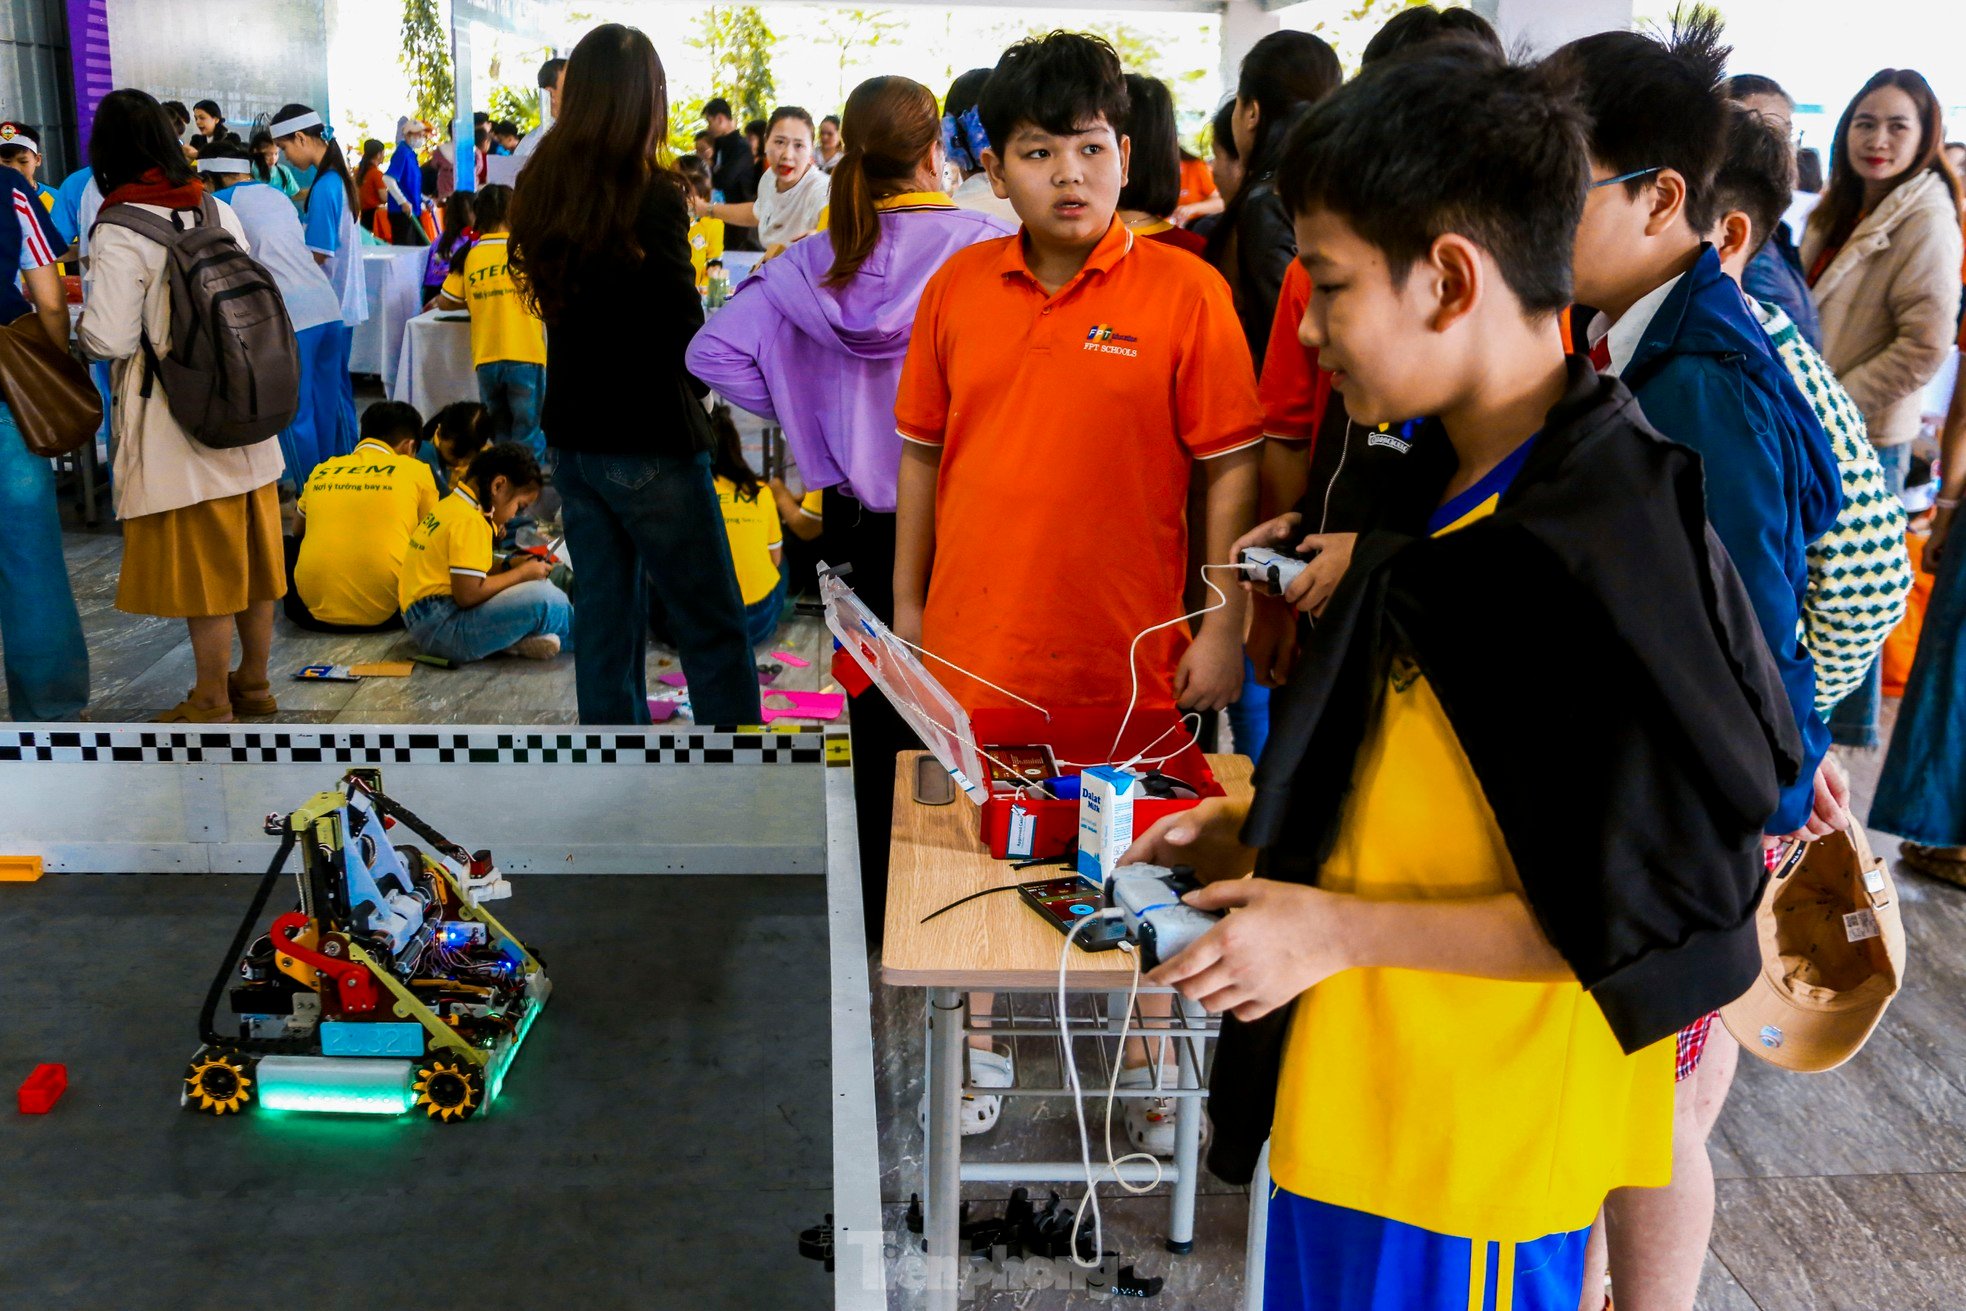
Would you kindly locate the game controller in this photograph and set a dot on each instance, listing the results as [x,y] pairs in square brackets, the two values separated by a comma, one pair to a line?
[1274,569]
[1157,921]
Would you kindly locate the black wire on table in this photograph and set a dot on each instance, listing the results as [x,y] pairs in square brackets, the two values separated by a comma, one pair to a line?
[1008,887]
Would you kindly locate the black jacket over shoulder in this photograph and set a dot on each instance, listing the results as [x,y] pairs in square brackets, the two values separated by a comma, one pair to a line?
[1601,666]
[615,382]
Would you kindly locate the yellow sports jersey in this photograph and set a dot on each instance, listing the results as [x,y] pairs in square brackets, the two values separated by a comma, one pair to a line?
[755,533]
[502,328]
[1497,1111]
[706,242]
[360,510]
[809,505]
[454,538]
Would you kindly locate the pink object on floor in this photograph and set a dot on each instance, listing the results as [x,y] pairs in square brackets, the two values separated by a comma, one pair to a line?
[660,711]
[671,680]
[803,705]
[787,658]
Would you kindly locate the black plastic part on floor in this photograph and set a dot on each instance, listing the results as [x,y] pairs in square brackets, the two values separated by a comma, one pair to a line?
[660,1142]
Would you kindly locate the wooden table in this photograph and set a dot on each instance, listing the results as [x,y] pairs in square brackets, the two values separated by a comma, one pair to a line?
[997,944]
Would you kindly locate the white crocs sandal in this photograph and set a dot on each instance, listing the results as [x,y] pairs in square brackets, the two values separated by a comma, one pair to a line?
[987,1069]
[1149,1120]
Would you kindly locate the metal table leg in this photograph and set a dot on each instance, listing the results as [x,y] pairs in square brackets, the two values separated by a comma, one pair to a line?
[1187,1140]
[943,1147]
[1256,1251]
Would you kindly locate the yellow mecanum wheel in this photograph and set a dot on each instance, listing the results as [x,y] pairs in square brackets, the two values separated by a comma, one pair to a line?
[218,1082]
[449,1088]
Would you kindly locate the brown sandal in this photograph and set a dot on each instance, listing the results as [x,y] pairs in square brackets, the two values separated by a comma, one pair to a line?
[189,712]
[250,701]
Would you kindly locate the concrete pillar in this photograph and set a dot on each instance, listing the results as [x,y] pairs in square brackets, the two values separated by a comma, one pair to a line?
[1244,23]
[1542,25]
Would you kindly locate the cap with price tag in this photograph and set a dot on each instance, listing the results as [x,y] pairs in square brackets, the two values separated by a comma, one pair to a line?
[1832,956]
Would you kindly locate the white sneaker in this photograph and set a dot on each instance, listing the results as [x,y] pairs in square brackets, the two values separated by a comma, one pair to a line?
[980,1111]
[540,646]
[1149,1120]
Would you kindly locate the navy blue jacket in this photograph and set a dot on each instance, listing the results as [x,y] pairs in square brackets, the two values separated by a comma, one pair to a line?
[1774,276]
[1707,377]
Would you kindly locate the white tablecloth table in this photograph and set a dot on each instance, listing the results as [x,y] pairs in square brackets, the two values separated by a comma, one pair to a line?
[395,283]
[434,367]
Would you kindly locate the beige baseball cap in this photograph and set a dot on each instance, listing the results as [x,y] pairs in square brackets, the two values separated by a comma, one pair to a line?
[1832,956]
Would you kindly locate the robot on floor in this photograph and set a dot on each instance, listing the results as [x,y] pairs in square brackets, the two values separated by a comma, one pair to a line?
[388,989]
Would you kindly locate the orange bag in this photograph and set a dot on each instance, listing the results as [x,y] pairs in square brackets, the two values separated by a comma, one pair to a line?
[1902,645]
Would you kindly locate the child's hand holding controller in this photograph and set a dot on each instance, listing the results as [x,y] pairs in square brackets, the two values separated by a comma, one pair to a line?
[1282,939]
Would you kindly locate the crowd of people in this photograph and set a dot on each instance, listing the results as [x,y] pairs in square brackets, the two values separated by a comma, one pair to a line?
[1597,428]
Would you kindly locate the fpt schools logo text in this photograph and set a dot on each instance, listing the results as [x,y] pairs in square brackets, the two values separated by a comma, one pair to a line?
[1101,338]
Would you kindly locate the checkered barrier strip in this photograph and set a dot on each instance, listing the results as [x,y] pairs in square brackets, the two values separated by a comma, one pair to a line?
[151,746]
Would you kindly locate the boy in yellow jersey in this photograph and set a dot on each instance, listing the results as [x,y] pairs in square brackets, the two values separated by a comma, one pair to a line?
[357,512]
[1507,827]
[508,341]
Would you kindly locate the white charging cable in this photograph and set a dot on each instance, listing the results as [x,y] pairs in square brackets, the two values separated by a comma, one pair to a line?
[1090,1202]
[1133,651]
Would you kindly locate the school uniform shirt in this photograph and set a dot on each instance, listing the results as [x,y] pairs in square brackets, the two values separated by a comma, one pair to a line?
[66,212]
[755,532]
[1486,1109]
[1197,182]
[454,538]
[785,215]
[1105,393]
[331,231]
[273,226]
[1164,231]
[502,327]
[361,509]
[26,243]
[706,242]
[975,193]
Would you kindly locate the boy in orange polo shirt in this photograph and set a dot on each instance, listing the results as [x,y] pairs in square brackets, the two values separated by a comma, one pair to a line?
[1059,386]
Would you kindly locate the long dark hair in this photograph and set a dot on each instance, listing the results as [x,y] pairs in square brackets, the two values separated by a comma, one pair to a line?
[460,213]
[1153,179]
[331,162]
[131,136]
[586,182]
[371,161]
[1842,205]
[890,128]
[1284,74]
[727,455]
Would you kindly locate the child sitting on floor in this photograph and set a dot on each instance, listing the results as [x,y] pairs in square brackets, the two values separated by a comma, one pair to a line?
[358,512]
[452,437]
[457,602]
[757,538]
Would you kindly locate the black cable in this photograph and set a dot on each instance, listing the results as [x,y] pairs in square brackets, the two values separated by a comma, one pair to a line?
[1008,887]
[209,1013]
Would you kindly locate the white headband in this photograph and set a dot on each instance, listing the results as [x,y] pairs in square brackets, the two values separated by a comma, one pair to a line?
[225,165]
[286,127]
[22,139]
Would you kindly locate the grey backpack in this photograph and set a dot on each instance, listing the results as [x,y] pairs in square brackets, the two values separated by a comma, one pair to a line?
[232,374]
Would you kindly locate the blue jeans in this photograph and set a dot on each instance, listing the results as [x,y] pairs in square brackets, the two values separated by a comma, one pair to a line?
[514,392]
[1853,720]
[762,615]
[316,427]
[1249,714]
[636,521]
[1921,793]
[441,627]
[47,662]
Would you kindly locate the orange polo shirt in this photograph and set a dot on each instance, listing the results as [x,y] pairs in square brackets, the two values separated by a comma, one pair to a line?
[1068,426]
[1294,389]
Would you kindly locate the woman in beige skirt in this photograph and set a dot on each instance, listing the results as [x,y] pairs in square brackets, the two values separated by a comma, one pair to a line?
[201,526]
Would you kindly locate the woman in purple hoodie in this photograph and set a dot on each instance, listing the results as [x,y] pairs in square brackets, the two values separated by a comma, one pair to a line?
[814,341]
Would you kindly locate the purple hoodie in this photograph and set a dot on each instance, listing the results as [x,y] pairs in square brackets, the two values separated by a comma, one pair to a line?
[825,363]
